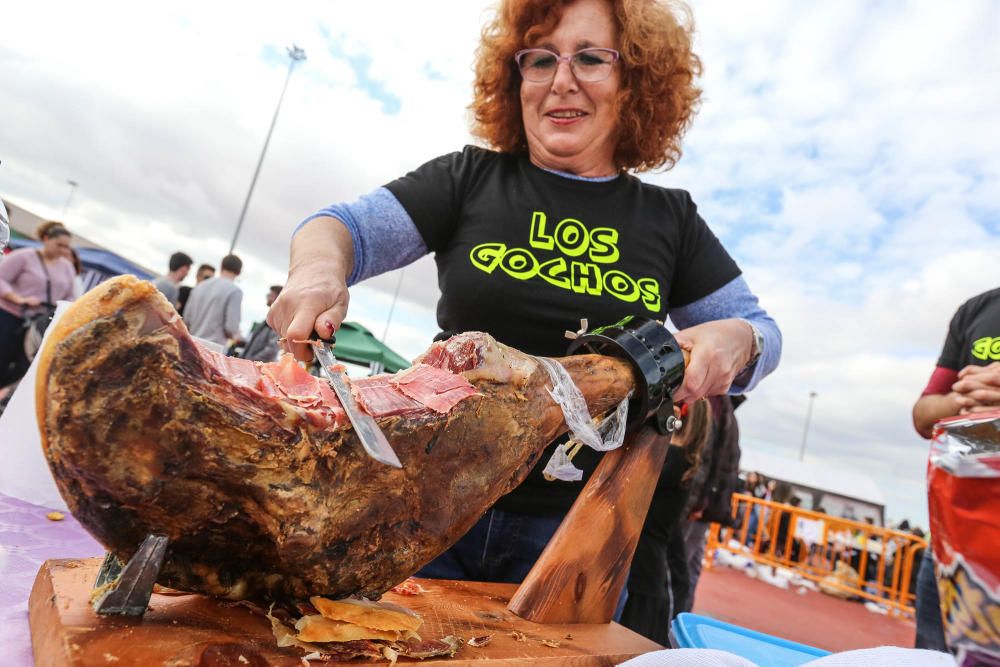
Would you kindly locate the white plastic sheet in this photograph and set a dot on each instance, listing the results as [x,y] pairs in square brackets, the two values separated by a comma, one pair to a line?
[607,435]
[25,473]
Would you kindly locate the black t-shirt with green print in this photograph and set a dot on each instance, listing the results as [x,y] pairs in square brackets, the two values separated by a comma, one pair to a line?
[524,254]
[974,333]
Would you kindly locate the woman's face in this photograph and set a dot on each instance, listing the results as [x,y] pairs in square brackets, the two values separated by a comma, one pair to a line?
[571,125]
[57,246]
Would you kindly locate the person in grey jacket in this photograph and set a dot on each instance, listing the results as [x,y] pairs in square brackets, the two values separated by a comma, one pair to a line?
[262,344]
[213,309]
[180,265]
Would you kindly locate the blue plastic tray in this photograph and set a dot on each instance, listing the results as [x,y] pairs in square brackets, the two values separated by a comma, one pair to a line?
[694,631]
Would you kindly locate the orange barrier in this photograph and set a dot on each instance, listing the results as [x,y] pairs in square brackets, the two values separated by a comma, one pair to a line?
[886,556]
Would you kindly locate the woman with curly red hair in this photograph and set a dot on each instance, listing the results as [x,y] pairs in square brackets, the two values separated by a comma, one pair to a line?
[547,226]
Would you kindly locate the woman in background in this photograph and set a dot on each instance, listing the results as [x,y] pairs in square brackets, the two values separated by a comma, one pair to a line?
[29,279]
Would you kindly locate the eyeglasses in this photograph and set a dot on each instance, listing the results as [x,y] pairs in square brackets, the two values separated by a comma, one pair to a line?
[587,65]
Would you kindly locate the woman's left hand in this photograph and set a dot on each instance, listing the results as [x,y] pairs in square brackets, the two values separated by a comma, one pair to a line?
[719,351]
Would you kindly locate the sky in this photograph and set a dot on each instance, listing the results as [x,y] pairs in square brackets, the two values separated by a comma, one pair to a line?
[847,154]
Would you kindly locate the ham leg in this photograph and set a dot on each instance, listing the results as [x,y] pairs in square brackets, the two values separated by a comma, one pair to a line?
[252,470]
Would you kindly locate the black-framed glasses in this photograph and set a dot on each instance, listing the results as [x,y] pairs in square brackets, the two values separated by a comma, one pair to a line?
[588,65]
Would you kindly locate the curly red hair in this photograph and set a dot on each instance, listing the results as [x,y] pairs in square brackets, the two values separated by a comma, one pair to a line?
[658,97]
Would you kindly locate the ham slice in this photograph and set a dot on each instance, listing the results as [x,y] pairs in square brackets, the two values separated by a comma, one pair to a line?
[458,353]
[380,398]
[438,389]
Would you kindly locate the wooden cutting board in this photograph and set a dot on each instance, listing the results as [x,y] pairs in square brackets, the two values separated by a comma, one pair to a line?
[197,631]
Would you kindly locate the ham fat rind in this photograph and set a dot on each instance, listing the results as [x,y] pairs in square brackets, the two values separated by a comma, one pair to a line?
[253,471]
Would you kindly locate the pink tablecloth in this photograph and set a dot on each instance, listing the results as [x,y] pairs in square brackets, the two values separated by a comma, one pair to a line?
[27,539]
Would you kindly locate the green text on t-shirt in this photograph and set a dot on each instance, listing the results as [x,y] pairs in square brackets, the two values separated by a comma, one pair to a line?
[575,241]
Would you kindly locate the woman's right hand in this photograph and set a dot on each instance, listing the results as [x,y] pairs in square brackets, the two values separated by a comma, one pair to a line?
[315,296]
[30,301]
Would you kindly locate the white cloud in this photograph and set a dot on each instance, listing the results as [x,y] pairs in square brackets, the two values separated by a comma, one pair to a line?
[846,153]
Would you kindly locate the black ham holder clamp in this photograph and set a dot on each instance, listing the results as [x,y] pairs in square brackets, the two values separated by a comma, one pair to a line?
[656,358]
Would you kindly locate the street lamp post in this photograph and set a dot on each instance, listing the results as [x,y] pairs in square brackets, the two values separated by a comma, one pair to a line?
[72,189]
[296,54]
[392,306]
[805,431]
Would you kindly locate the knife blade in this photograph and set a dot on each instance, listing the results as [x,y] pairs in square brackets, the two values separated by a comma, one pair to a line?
[370,435]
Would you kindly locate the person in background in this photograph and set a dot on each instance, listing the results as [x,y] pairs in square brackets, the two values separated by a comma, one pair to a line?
[783,494]
[213,309]
[179,266]
[205,271]
[756,487]
[712,487]
[262,343]
[966,380]
[31,279]
[754,484]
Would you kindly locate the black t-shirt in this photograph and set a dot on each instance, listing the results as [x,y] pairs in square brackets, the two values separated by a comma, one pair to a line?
[974,333]
[524,254]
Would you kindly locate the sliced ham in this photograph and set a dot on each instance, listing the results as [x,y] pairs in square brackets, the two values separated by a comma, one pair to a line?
[438,389]
[380,398]
[458,353]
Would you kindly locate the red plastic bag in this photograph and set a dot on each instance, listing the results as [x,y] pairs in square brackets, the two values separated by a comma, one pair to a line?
[963,480]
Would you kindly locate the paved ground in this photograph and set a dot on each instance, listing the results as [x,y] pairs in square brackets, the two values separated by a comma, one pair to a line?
[815,619]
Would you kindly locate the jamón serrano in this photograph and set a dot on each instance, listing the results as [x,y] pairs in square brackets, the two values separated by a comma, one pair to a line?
[253,471]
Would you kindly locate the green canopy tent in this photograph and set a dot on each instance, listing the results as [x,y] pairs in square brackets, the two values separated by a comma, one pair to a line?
[358,345]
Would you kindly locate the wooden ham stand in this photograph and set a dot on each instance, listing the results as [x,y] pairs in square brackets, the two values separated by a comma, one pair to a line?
[581,573]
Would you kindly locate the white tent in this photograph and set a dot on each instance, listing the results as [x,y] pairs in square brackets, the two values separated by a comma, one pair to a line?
[840,490]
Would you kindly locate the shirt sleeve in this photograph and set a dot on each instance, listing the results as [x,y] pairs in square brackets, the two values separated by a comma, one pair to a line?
[10,268]
[232,320]
[736,300]
[433,193]
[941,381]
[383,234]
[703,265]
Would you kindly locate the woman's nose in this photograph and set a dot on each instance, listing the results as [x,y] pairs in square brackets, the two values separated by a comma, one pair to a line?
[564,80]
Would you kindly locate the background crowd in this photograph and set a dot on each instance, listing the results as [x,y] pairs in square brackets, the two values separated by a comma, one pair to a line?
[33,280]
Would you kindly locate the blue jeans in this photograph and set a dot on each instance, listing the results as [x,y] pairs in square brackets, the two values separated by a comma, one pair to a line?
[752,525]
[502,547]
[930,628]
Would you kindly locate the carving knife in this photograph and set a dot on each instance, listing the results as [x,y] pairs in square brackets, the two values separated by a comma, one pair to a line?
[370,435]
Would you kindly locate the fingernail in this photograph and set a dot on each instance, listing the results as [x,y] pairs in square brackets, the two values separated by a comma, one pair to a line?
[329,325]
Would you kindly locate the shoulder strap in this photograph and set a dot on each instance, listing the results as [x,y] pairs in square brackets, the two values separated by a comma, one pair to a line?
[48,281]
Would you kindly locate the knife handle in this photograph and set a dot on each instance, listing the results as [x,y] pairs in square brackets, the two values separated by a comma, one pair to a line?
[331,341]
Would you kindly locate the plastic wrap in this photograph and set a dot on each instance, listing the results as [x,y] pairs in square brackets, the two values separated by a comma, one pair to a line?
[606,435]
[964,493]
